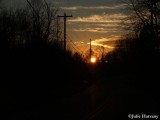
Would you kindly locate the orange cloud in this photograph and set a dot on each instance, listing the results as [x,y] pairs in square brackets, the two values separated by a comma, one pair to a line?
[104,18]
[106,42]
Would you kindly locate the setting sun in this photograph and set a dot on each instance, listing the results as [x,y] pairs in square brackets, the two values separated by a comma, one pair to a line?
[93,60]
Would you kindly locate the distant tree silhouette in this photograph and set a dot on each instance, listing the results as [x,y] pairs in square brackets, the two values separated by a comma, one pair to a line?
[33,31]
[77,57]
[34,25]
[144,39]
[43,22]
[146,12]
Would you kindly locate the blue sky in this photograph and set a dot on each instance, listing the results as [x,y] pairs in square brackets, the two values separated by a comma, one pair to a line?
[99,20]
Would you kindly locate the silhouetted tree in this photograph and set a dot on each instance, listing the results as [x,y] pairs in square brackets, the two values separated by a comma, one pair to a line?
[77,57]
[43,22]
[146,18]
[142,43]
[7,28]
[34,26]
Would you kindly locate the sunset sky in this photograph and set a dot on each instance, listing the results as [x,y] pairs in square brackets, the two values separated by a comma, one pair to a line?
[99,20]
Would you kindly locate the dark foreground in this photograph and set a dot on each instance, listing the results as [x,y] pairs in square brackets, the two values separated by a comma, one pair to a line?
[78,92]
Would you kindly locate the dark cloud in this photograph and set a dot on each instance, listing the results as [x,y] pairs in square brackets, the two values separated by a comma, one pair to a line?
[87,2]
[13,3]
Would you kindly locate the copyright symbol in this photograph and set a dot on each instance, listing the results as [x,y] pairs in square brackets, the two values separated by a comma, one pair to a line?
[130,116]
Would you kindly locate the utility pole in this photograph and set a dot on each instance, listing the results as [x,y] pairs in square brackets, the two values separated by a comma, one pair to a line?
[151,19]
[57,28]
[90,48]
[65,18]
[102,53]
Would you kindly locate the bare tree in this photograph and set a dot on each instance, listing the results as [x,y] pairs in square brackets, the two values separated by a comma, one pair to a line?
[146,12]
[43,18]
[34,25]
[145,20]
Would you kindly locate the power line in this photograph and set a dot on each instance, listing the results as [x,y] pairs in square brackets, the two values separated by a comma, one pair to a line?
[77,49]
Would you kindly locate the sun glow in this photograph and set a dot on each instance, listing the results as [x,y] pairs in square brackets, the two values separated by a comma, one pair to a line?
[93,60]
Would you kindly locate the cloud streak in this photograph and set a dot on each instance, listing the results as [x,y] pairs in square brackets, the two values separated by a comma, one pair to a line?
[106,42]
[104,18]
[97,30]
[120,6]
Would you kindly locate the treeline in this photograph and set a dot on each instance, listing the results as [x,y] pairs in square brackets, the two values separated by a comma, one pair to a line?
[29,25]
[136,56]
[33,30]
[142,44]
[35,72]
[31,51]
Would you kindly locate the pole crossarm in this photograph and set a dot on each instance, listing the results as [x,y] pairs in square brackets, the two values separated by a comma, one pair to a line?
[65,16]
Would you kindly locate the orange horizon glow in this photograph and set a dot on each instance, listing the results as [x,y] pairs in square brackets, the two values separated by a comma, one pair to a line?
[93,60]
